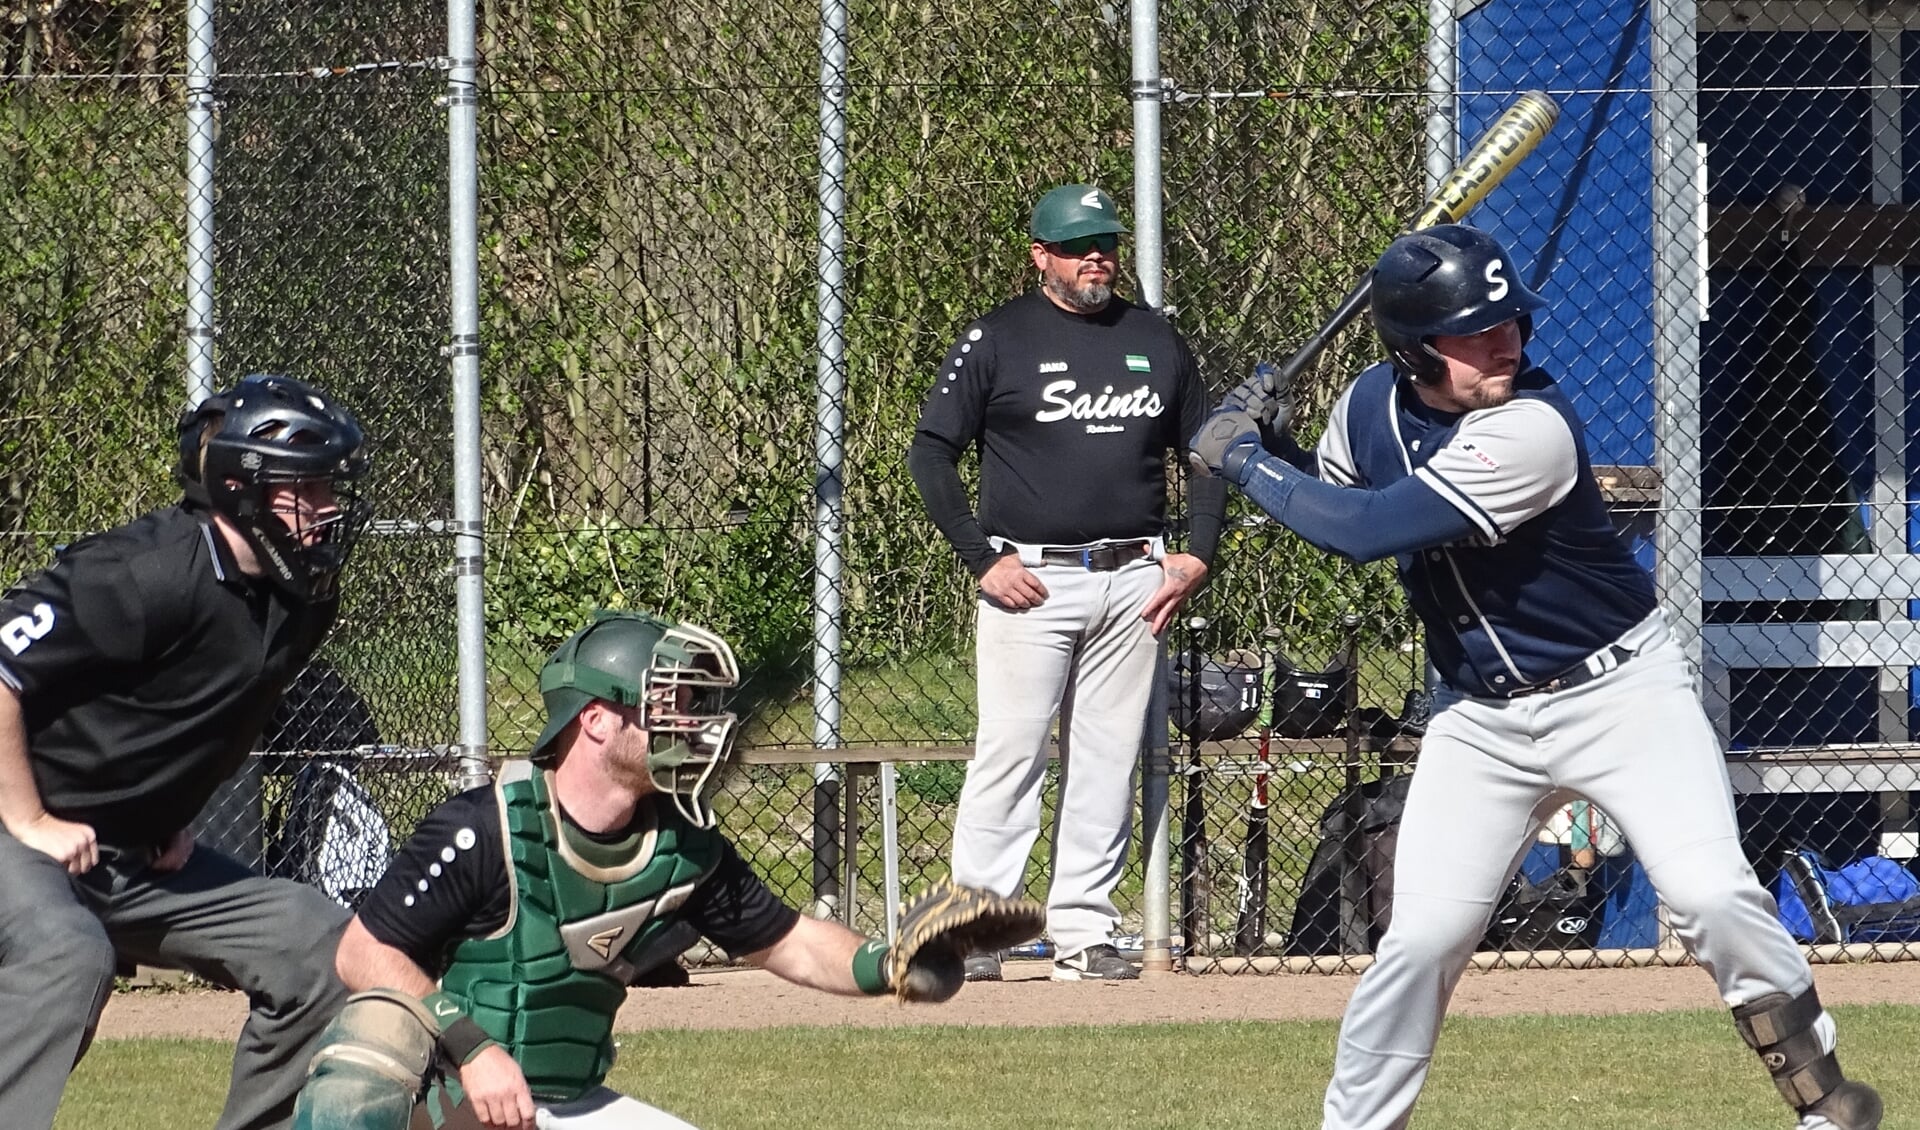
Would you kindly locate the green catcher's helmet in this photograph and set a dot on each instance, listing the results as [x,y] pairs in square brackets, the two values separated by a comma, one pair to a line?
[1074,210]
[635,658]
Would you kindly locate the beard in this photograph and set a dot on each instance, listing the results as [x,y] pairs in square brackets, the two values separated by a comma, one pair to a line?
[1087,298]
[1489,394]
[627,761]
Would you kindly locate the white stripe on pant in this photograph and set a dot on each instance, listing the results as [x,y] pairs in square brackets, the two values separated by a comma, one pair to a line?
[1085,653]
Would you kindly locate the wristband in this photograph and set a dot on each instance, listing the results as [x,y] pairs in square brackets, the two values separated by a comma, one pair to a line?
[870,967]
[461,1038]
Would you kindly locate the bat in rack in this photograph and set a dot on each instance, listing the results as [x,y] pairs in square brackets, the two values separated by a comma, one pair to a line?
[1513,135]
[1250,931]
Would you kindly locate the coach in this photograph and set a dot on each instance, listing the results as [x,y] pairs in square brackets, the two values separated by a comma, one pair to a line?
[1074,396]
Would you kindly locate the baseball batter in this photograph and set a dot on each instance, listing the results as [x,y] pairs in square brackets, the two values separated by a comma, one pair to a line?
[1074,396]
[1559,677]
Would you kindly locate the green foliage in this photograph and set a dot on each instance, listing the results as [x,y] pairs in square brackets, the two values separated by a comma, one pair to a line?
[650,232]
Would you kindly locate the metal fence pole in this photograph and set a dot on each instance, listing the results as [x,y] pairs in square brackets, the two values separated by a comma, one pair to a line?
[830,376]
[1149,264]
[463,253]
[202,71]
[1679,240]
[1443,111]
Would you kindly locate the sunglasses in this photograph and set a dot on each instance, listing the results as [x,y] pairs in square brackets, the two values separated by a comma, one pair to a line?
[1106,242]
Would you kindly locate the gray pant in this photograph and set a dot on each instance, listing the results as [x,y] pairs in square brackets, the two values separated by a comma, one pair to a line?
[1636,743]
[1086,655]
[271,938]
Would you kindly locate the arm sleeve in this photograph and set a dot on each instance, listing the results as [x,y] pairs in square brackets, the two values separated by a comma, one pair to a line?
[950,421]
[1505,465]
[448,883]
[1363,525]
[67,622]
[735,910]
[1206,495]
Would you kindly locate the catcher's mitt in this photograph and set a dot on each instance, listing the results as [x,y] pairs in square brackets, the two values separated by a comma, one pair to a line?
[945,924]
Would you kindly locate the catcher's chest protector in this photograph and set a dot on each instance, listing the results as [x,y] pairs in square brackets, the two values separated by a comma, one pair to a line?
[584,914]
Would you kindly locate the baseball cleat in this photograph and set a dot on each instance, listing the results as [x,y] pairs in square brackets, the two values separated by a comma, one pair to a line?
[1852,1106]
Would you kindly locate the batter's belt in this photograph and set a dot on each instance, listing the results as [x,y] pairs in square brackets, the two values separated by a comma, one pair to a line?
[1581,673]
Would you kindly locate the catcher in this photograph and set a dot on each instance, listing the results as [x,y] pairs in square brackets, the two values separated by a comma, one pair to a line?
[488,963]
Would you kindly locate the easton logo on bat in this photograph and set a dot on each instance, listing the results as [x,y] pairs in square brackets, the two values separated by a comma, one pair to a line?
[1512,137]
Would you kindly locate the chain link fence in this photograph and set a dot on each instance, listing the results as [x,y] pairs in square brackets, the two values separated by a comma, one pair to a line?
[670,421]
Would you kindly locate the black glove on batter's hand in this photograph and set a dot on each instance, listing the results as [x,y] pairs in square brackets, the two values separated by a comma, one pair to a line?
[1224,443]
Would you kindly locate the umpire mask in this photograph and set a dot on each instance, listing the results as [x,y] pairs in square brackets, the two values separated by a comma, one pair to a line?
[678,673]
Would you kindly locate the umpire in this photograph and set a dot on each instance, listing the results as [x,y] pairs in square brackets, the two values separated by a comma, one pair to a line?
[135,676]
[1074,396]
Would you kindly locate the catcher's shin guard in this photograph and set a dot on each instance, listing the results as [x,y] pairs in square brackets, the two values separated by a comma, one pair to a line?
[367,1074]
[1795,1039]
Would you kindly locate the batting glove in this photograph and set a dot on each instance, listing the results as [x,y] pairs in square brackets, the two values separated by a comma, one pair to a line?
[1261,397]
[1225,443]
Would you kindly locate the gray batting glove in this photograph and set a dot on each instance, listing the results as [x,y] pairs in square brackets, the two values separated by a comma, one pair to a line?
[1224,444]
[1260,397]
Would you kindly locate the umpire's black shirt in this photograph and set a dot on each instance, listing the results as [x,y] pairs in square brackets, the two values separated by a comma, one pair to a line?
[147,665]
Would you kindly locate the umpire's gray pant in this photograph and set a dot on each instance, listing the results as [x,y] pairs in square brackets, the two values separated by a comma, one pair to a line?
[271,938]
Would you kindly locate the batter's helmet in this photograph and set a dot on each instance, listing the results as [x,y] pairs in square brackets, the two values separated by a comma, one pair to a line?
[1450,279]
[235,446]
[634,659]
[1074,210]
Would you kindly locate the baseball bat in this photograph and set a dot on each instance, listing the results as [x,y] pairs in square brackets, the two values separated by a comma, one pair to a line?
[1193,832]
[1250,932]
[1513,135]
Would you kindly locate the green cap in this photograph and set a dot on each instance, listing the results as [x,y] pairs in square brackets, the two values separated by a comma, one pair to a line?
[1074,210]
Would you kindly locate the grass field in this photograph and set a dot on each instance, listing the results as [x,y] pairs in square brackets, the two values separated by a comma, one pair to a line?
[1669,1071]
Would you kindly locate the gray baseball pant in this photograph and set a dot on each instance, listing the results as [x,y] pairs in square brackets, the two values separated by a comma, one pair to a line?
[1085,654]
[1635,742]
[270,938]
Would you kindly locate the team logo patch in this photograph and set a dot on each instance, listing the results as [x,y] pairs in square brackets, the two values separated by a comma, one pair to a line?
[1138,364]
[250,460]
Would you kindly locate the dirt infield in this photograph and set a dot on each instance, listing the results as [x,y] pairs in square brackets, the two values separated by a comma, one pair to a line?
[751,999]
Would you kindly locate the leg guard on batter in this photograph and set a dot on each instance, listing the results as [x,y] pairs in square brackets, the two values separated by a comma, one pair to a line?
[369,1069]
[1795,1038]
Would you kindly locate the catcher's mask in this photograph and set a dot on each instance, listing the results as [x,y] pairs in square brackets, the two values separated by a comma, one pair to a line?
[237,448]
[1229,693]
[639,659]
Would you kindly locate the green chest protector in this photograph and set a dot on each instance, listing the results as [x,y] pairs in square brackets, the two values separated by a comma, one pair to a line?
[585,917]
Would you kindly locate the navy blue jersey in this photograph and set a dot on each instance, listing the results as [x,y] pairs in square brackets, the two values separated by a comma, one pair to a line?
[1544,580]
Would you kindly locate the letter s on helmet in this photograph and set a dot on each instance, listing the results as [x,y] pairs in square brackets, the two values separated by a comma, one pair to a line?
[270,430]
[631,658]
[1450,279]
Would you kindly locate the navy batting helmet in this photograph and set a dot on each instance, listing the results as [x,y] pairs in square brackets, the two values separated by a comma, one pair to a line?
[1228,696]
[1452,280]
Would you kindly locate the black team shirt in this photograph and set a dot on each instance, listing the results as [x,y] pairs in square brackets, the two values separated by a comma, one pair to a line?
[1073,415]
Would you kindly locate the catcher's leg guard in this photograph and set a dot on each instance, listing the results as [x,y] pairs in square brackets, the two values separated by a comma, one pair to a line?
[369,1070]
[1796,1039]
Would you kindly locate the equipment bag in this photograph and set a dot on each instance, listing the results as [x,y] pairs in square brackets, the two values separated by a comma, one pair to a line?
[334,837]
[1874,899]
